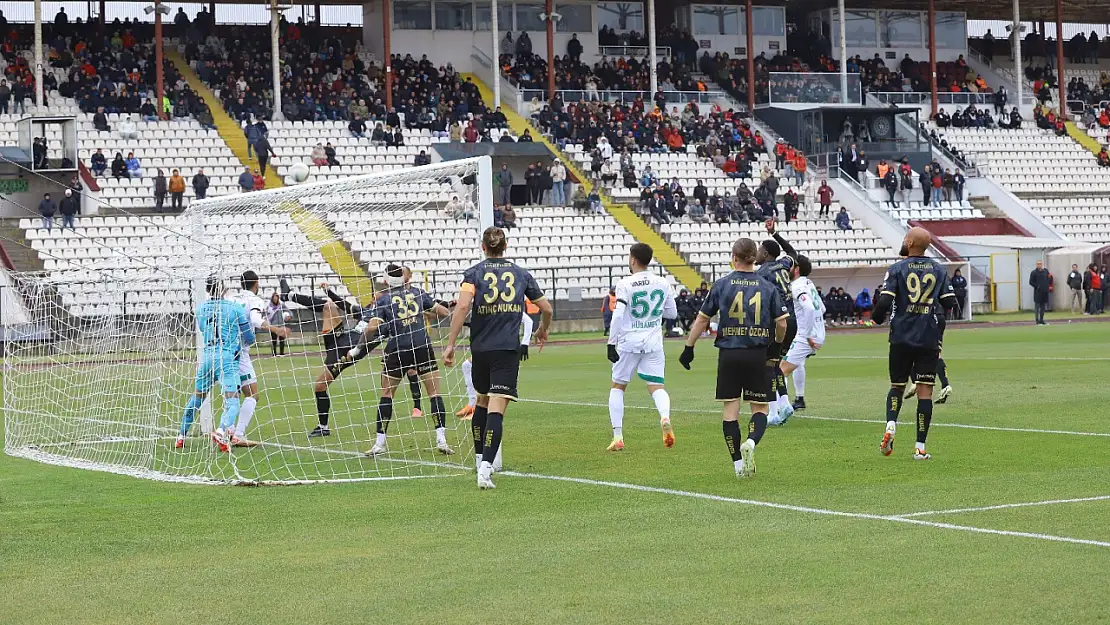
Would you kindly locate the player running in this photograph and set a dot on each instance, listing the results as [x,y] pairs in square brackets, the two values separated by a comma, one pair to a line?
[338,341]
[752,325]
[809,309]
[224,328]
[496,287]
[911,289]
[398,314]
[636,341]
[467,411]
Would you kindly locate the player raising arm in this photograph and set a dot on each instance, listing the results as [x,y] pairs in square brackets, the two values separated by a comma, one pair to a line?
[636,341]
[751,328]
[912,288]
[775,258]
[809,310]
[493,293]
[398,313]
[224,328]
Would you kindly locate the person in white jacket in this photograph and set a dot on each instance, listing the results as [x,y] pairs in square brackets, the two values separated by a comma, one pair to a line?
[558,184]
[810,311]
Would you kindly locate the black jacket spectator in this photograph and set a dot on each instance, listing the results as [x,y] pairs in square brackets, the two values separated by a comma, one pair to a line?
[119,167]
[100,121]
[574,48]
[421,159]
[200,185]
[70,204]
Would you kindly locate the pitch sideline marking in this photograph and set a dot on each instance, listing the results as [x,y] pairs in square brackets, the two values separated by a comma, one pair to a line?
[810,510]
[967,426]
[1004,506]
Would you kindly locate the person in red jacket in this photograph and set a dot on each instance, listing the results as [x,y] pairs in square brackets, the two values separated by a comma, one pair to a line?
[938,185]
[825,196]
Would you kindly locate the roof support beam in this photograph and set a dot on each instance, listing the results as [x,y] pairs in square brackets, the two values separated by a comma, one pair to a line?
[1015,41]
[933,53]
[1063,108]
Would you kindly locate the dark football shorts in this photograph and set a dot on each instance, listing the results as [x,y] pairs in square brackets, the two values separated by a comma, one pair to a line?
[336,346]
[495,372]
[913,364]
[396,363]
[742,374]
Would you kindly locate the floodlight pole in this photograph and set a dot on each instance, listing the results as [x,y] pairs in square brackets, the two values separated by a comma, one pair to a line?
[933,54]
[39,100]
[843,53]
[1063,108]
[751,57]
[495,76]
[387,51]
[550,7]
[653,70]
[1015,31]
[275,57]
[159,78]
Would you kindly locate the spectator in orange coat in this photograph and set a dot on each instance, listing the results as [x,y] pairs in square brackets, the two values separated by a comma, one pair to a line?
[788,160]
[800,168]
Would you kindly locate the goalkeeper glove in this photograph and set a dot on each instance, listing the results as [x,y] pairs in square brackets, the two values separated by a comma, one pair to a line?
[523,351]
[687,357]
[612,353]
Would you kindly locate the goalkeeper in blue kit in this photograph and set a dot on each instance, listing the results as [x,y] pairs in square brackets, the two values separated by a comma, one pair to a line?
[224,329]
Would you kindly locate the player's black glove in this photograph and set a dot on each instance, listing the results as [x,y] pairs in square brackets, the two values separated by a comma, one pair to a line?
[611,351]
[687,357]
[523,351]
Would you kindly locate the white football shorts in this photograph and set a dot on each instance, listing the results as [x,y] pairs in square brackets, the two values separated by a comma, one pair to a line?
[246,368]
[648,366]
[799,351]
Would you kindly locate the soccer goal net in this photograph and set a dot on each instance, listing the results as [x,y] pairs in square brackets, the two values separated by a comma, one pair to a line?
[101,375]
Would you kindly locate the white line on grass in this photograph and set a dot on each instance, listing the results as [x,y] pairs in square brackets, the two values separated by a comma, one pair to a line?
[809,510]
[967,426]
[962,357]
[1004,506]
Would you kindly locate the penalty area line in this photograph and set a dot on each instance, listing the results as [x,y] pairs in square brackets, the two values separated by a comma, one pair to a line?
[810,510]
[1004,506]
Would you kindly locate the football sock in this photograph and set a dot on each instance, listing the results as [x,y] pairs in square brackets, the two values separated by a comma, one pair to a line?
[800,382]
[323,407]
[942,372]
[246,411]
[492,441]
[893,403]
[471,394]
[385,413]
[231,411]
[732,438]
[616,411]
[189,414]
[414,388]
[924,419]
[662,403]
[439,410]
[780,381]
[478,429]
[757,425]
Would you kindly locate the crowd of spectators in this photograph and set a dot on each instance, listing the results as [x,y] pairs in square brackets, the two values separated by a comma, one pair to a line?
[529,71]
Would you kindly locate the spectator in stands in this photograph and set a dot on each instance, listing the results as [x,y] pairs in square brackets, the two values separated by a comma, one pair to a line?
[69,207]
[686,311]
[504,184]
[177,190]
[119,167]
[648,179]
[1039,280]
[790,205]
[800,165]
[357,127]
[258,181]
[925,179]
[319,158]
[1075,283]
[766,200]
[457,209]
[825,196]
[937,184]
[134,166]
[200,184]
[1103,158]
[422,159]
[5,96]
[263,151]
[843,219]
[46,209]
[100,120]
[161,187]
[246,180]
[505,137]
[593,201]
[99,162]
[558,183]
[329,153]
[697,212]
[19,95]
[148,112]
[574,49]
[508,217]
[890,183]
[38,153]
[949,182]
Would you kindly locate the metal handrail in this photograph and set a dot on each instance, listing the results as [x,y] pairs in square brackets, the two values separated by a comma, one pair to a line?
[610,95]
[633,51]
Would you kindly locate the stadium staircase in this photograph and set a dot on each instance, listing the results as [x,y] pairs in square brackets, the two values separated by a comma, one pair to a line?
[18,249]
[334,250]
[1082,138]
[665,254]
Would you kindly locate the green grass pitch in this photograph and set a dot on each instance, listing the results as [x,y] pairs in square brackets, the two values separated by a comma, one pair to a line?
[88,547]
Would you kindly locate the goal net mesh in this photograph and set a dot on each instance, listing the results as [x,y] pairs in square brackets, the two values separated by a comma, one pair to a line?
[99,376]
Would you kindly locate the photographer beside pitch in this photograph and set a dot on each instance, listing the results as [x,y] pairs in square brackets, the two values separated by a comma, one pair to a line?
[911,289]
[750,332]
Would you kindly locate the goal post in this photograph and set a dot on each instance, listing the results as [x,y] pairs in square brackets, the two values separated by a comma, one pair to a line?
[105,385]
